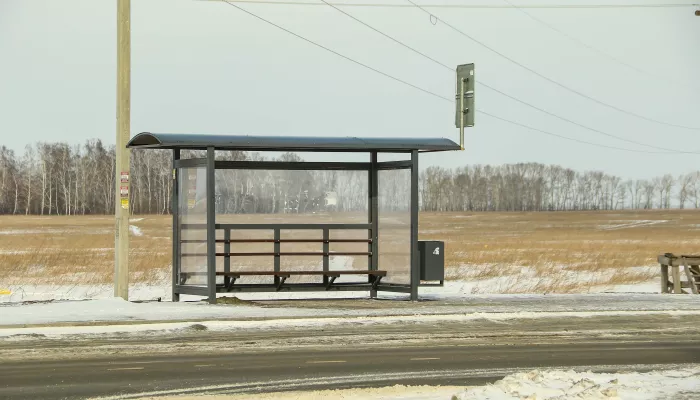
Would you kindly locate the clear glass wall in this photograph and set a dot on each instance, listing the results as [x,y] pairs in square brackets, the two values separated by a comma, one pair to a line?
[395,225]
[192,209]
[292,197]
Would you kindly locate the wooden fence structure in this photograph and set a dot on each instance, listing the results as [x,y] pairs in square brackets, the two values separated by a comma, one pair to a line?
[672,283]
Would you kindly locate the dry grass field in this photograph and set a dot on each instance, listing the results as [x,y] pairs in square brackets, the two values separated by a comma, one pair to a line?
[560,252]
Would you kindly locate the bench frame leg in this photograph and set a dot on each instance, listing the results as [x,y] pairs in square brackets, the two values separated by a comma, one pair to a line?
[376,281]
[281,281]
[330,281]
[229,284]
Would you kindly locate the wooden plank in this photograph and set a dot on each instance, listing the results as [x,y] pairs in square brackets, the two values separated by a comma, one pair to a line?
[673,260]
[280,241]
[664,260]
[308,253]
[676,274]
[691,279]
[664,278]
[296,273]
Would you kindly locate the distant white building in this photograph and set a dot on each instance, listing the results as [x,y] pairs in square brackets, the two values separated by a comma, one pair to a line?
[331,199]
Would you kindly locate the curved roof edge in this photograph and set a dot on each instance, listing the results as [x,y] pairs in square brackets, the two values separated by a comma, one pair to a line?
[144,139]
[288,143]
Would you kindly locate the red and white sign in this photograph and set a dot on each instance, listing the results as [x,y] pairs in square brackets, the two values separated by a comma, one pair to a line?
[124,191]
[124,177]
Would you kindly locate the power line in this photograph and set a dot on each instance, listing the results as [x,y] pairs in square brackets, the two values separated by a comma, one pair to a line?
[447,67]
[336,53]
[422,89]
[566,137]
[470,6]
[584,126]
[561,85]
[589,47]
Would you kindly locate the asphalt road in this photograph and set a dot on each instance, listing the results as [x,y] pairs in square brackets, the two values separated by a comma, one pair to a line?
[353,366]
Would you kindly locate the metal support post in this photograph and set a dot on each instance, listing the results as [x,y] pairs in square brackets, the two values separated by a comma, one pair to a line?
[121,199]
[415,268]
[326,257]
[277,248]
[373,217]
[211,231]
[461,117]
[175,211]
[227,257]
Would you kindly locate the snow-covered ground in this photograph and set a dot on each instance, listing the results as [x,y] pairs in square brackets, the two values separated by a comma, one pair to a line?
[135,230]
[115,315]
[663,384]
[562,384]
[147,291]
[398,392]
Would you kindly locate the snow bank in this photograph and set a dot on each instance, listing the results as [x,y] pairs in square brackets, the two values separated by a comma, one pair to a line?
[397,392]
[117,309]
[681,383]
[453,290]
[166,316]
[137,291]
[560,385]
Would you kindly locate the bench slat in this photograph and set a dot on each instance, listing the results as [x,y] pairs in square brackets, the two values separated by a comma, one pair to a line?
[327,273]
[303,253]
[279,241]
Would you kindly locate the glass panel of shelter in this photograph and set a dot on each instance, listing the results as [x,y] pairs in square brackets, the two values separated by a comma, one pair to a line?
[257,196]
[192,218]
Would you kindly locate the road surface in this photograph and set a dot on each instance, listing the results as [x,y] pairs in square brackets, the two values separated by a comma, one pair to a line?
[335,357]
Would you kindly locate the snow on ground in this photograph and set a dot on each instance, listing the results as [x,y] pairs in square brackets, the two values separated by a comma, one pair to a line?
[680,384]
[119,316]
[137,291]
[632,224]
[117,309]
[161,289]
[315,321]
[135,230]
[398,392]
[560,385]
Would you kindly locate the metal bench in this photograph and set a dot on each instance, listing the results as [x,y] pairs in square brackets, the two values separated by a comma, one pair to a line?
[230,278]
[374,276]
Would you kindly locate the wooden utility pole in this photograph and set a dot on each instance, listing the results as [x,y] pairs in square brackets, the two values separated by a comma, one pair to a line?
[123,178]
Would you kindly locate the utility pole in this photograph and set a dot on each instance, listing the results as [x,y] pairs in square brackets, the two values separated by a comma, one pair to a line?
[123,178]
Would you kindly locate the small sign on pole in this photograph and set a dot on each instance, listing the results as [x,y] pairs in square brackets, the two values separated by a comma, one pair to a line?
[124,177]
[125,203]
[124,191]
[464,100]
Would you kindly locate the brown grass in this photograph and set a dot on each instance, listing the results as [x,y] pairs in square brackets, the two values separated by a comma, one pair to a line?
[79,250]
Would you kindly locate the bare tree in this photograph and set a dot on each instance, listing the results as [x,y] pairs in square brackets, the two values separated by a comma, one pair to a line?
[684,186]
[56,178]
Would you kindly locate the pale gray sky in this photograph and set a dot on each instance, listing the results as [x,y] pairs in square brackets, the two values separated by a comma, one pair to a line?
[202,66]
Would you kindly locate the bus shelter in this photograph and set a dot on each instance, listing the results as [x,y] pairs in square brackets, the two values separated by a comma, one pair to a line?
[288,225]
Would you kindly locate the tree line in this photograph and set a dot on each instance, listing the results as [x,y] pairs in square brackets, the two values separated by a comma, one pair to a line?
[63,179]
[538,187]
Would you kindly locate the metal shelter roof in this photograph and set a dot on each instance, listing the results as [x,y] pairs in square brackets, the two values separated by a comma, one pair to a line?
[288,143]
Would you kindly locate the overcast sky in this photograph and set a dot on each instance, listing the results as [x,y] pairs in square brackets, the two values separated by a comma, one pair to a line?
[204,66]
